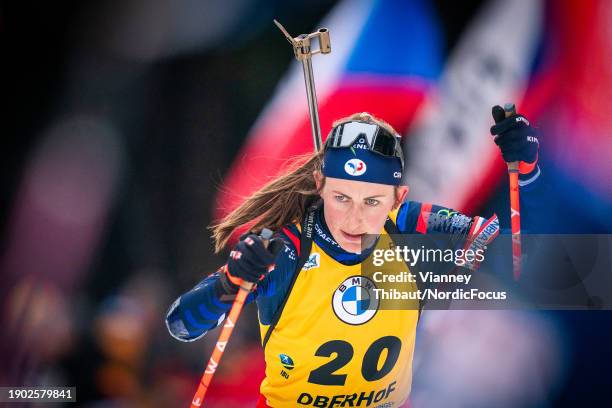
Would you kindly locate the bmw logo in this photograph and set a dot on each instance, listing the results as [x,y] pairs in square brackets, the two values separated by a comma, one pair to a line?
[355,302]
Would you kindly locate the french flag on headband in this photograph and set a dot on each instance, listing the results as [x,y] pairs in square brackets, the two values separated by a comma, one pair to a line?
[385,56]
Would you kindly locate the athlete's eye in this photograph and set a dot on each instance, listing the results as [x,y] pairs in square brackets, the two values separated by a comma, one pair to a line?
[371,202]
[341,198]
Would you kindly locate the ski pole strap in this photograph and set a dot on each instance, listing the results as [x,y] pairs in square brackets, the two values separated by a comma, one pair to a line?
[305,248]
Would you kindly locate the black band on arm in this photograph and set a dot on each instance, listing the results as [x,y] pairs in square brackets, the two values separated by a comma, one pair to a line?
[224,287]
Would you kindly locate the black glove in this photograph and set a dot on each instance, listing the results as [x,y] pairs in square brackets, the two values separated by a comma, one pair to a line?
[517,140]
[250,260]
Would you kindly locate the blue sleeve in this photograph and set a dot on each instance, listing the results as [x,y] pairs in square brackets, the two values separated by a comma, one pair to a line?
[205,306]
[415,217]
[201,309]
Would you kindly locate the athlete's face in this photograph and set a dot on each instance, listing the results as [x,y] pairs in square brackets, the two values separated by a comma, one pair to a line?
[355,208]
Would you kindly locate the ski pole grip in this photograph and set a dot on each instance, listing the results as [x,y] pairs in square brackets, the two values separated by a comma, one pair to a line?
[265,235]
[510,109]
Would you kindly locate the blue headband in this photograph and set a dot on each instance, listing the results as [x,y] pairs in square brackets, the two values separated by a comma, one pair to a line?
[360,164]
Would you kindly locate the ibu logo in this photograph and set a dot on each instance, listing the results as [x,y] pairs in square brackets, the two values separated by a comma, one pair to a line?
[314,261]
[286,361]
[355,167]
[355,301]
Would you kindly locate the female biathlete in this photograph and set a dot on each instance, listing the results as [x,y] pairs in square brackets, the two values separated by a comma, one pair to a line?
[324,343]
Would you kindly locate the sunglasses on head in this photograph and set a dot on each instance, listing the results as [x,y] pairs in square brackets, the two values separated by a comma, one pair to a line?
[379,139]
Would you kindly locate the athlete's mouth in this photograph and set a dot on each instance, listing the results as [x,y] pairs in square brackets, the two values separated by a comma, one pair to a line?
[352,237]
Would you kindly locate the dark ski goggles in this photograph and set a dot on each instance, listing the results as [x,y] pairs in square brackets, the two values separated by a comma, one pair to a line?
[379,139]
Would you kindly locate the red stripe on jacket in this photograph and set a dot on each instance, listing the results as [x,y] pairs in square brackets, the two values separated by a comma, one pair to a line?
[423,218]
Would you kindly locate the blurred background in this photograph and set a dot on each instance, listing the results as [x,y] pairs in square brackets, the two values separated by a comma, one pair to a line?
[131,125]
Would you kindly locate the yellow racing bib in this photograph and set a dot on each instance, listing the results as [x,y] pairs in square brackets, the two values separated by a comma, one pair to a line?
[333,346]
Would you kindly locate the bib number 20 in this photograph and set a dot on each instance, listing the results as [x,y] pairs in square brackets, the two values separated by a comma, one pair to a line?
[325,375]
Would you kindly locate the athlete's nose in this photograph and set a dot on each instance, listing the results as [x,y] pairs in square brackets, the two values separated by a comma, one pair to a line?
[354,218]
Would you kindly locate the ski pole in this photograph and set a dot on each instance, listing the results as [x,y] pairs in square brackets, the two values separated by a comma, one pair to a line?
[226,332]
[515,213]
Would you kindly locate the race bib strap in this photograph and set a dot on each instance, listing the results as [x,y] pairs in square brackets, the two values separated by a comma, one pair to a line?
[304,247]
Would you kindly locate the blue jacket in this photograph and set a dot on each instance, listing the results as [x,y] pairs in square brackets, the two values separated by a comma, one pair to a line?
[204,307]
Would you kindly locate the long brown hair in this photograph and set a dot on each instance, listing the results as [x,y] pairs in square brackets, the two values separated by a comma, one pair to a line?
[280,202]
[285,199]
